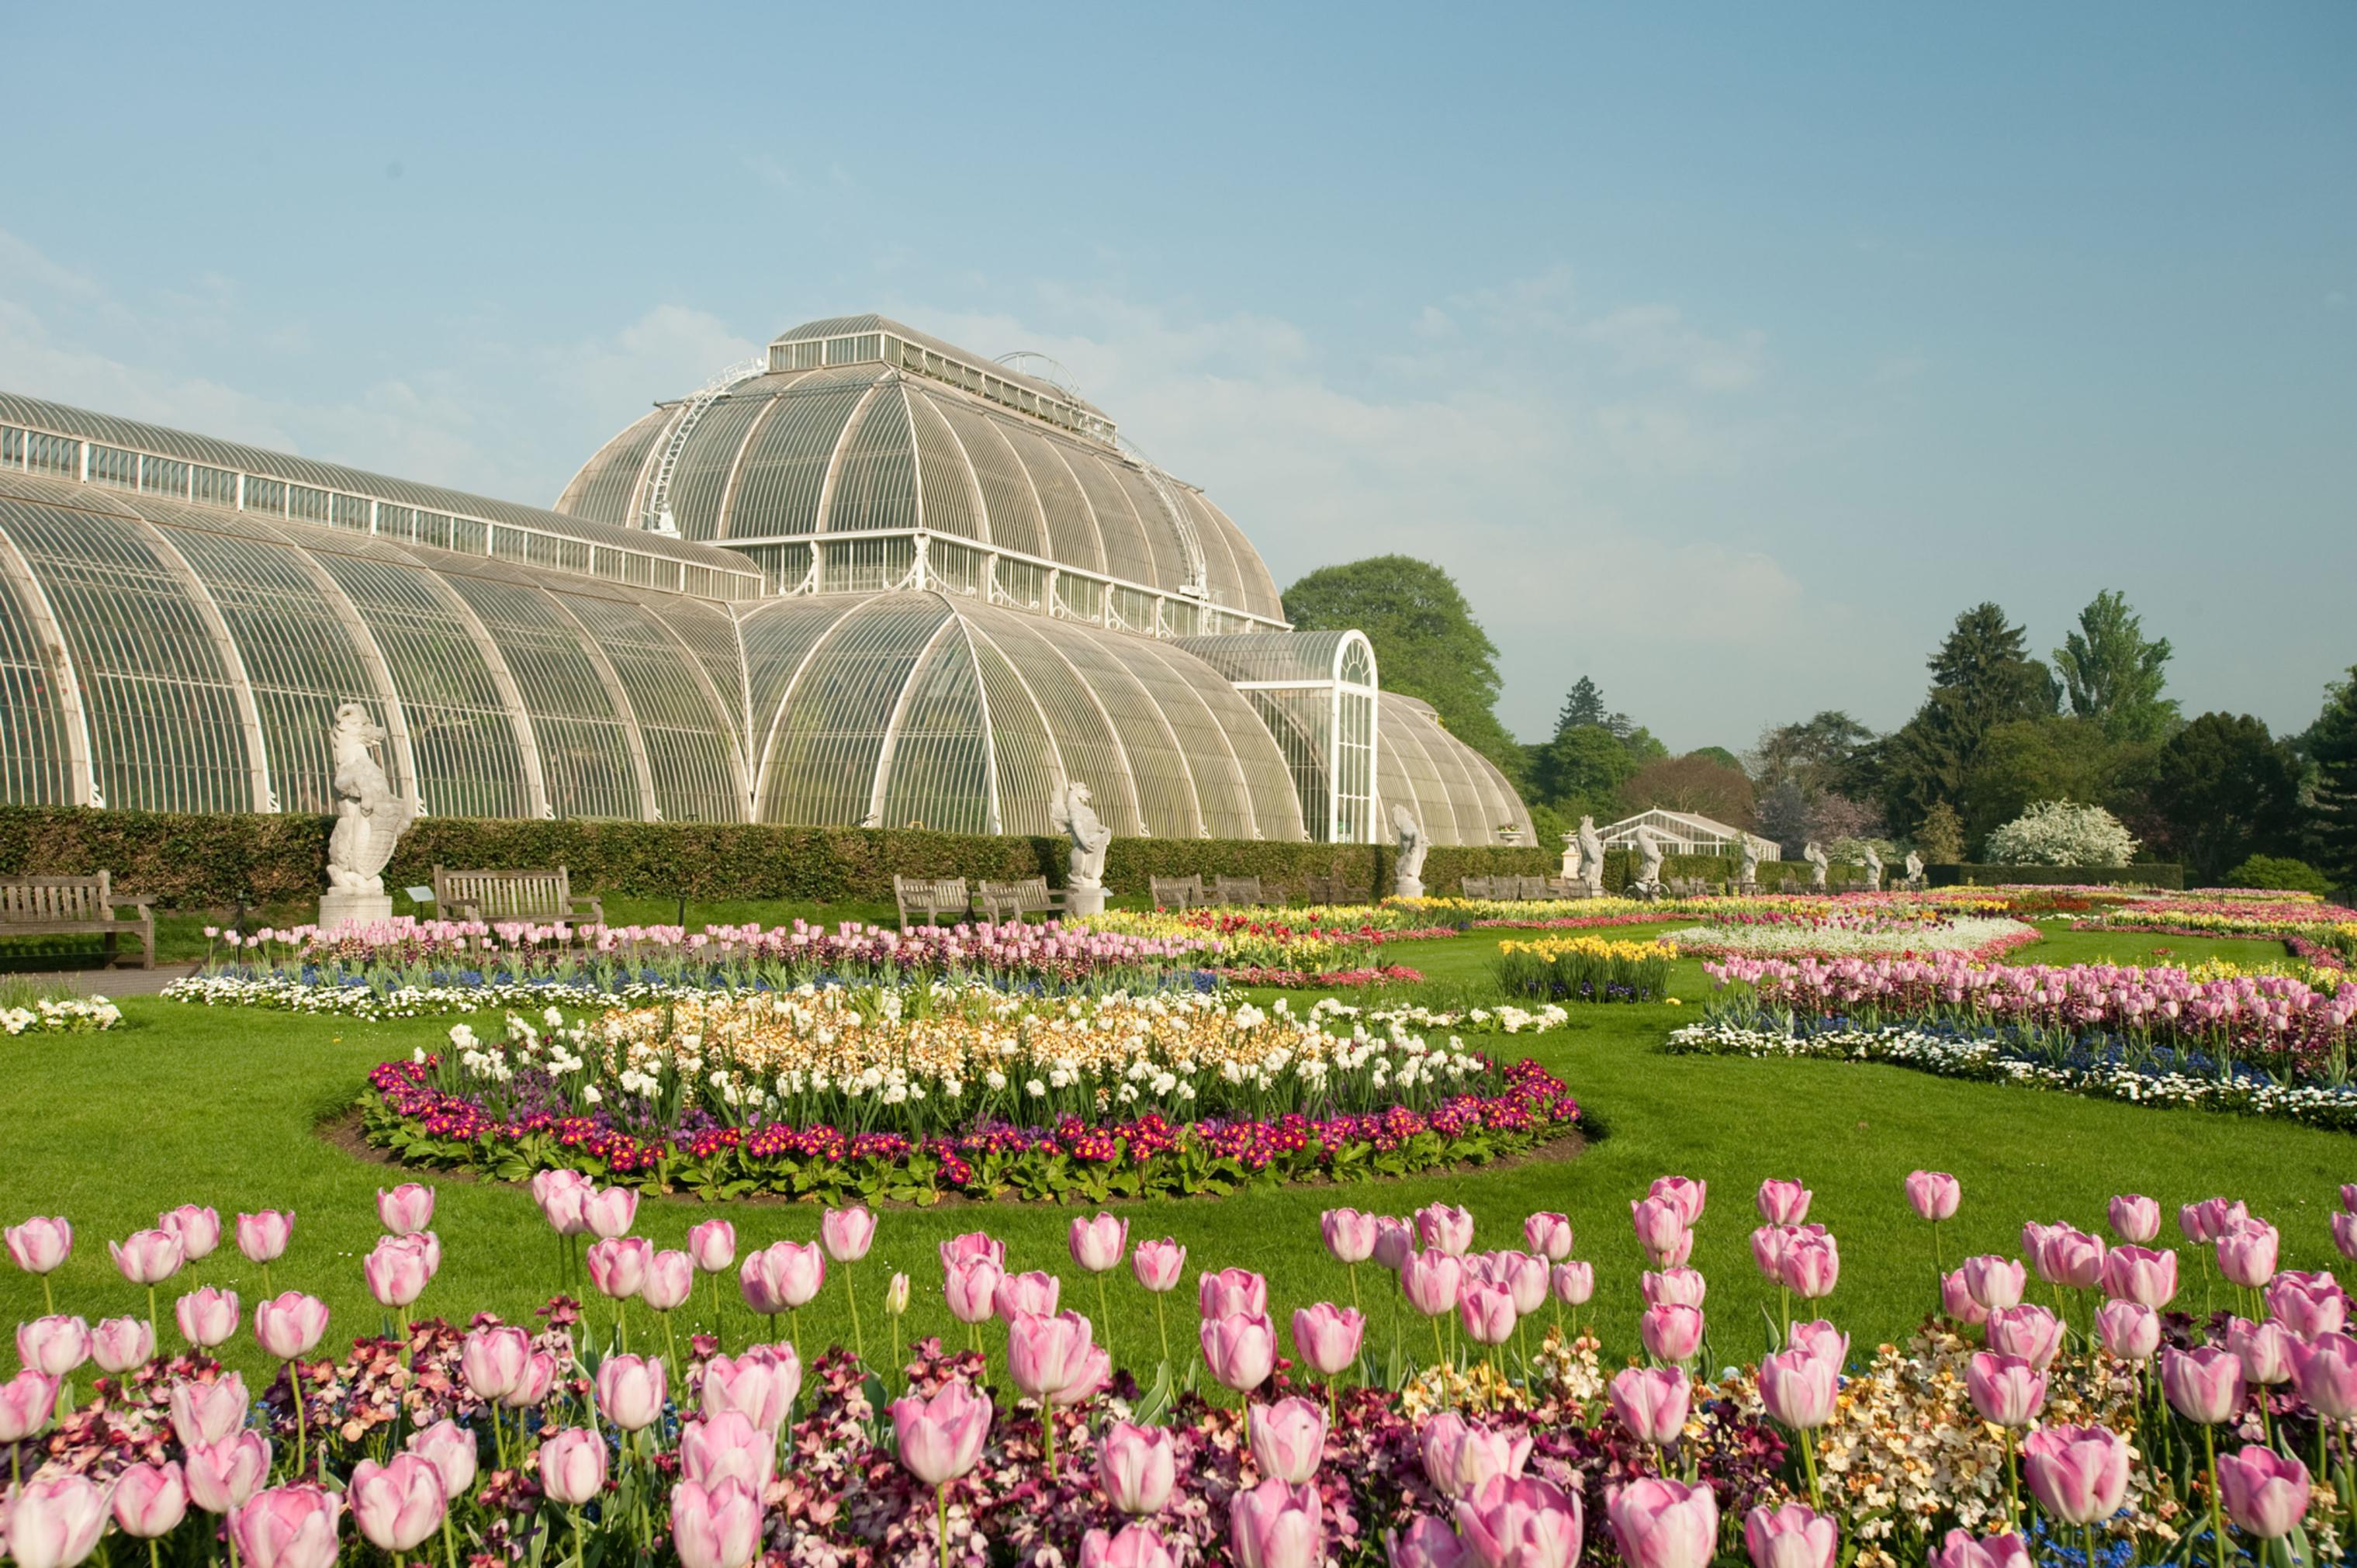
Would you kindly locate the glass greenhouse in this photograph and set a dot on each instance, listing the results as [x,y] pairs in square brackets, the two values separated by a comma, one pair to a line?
[877,579]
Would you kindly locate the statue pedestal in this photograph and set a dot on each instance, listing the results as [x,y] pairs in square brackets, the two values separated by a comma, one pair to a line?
[1079,901]
[1407,887]
[353,909]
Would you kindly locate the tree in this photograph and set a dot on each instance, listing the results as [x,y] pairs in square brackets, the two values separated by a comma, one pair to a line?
[1696,784]
[1427,641]
[2224,789]
[1982,677]
[1719,755]
[1581,772]
[2027,760]
[1784,810]
[1834,817]
[1816,754]
[1584,705]
[2059,832]
[2278,872]
[2113,673]
[2331,747]
[1940,838]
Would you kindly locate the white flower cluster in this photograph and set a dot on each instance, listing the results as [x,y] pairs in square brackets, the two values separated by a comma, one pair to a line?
[2059,833]
[1962,933]
[73,1014]
[1503,1018]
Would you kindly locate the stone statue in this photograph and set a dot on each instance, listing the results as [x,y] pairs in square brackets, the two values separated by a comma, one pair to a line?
[1818,865]
[1407,876]
[1747,879]
[1873,870]
[1592,859]
[370,820]
[1647,881]
[1070,813]
[1915,877]
[1570,857]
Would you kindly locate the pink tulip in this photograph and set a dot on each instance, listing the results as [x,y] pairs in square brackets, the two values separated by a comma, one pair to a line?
[2203,1385]
[2135,1218]
[1426,1543]
[1349,1235]
[53,1345]
[1394,1240]
[971,1288]
[1137,1466]
[407,1209]
[1521,1523]
[451,1449]
[1329,1336]
[1935,1195]
[287,1527]
[783,1276]
[1045,1354]
[395,1270]
[2140,1274]
[1687,1193]
[2006,1390]
[1097,1244]
[1573,1283]
[493,1360]
[1035,1293]
[198,1227]
[222,1475]
[1784,1202]
[1962,1550]
[973,1244]
[148,1257]
[561,1196]
[2349,1196]
[2213,1218]
[1956,1300]
[1994,1283]
[1460,1454]
[1671,1333]
[1660,1226]
[121,1343]
[1159,1265]
[1431,1280]
[716,1527]
[1798,1389]
[207,1412]
[2307,1304]
[1663,1524]
[1793,1536]
[1673,1287]
[2028,1331]
[573,1464]
[1487,1312]
[2344,1234]
[1445,1227]
[1548,1235]
[1651,1402]
[206,1317]
[2324,1370]
[397,1504]
[1820,1339]
[290,1325]
[2266,1492]
[1523,1277]
[713,1244]
[2079,1474]
[1288,1439]
[1275,1525]
[56,1521]
[670,1280]
[847,1233]
[631,1391]
[941,1438]
[2128,1330]
[1241,1350]
[1810,1267]
[26,1400]
[2263,1348]
[2072,1259]
[150,1500]
[2246,1254]
[39,1244]
[760,1385]
[532,1388]
[618,1264]
[1230,1291]
[610,1211]
[263,1237]
[727,1447]
[1137,1546]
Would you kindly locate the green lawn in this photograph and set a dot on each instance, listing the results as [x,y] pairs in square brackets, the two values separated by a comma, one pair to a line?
[224,1108]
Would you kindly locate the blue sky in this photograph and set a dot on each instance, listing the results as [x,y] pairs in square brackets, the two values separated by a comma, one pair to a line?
[1722,353]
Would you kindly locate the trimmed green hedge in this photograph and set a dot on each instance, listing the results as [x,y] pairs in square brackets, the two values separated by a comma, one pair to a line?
[219,861]
[2150,874]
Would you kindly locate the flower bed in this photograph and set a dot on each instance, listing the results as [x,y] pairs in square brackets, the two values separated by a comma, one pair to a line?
[2236,916]
[1307,940]
[1585,969]
[1783,933]
[1331,980]
[61,1016]
[964,1090]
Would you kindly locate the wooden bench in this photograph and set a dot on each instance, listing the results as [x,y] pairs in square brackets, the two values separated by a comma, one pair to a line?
[1177,892]
[76,905]
[1475,886]
[1017,900]
[929,900]
[1235,890]
[543,897]
[1332,889]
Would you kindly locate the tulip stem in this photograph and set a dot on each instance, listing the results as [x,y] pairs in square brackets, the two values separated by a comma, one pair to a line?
[154,1553]
[1809,1463]
[1048,1426]
[579,1544]
[851,1295]
[942,1520]
[2217,1505]
[1105,1324]
[2012,1485]
[1439,1351]
[49,1300]
[795,1316]
[294,1388]
[715,1305]
[1354,1290]
[1162,1322]
[151,1306]
[449,1541]
[2090,1529]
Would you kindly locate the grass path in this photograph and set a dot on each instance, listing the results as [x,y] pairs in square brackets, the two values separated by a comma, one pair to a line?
[222,1107]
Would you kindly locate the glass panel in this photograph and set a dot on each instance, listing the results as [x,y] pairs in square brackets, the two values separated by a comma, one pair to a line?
[34,770]
[784,469]
[584,759]
[601,492]
[700,479]
[689,742]
[937,772]
[1013,512]
[830,734]
[946,481]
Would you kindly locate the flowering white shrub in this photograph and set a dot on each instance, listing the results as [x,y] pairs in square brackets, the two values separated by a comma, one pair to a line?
[2059,833]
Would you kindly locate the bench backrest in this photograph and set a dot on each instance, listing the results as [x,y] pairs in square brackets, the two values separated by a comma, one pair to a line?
[540,893]
[1475,886]
[1024,896]
[29,900]
[1176,892]
[1236,889]
[930,896]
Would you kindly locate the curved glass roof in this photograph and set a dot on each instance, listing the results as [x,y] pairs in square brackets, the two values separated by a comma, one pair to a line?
[1455,791]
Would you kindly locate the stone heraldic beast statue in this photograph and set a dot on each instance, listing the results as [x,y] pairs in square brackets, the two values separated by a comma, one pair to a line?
[1647,881]
[1070,814]
[1818,865]
[370,820]
[1407,876]
[1592,859]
